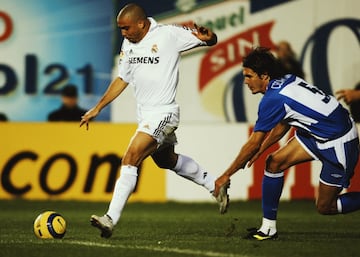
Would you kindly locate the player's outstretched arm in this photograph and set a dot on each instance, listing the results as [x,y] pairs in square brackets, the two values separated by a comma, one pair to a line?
[115,88]
[205,34]
[275,135]
[250,148]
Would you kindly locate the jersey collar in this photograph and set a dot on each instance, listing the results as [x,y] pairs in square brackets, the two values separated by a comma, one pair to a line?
[153,24]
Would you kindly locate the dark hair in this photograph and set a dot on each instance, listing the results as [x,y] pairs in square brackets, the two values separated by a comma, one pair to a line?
[69,91]
[262,61]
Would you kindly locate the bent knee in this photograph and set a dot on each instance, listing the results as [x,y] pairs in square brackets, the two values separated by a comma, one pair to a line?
[274,164]
[324,209]
[131,158]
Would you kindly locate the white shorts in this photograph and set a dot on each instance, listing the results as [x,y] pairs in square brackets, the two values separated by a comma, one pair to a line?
[159,123]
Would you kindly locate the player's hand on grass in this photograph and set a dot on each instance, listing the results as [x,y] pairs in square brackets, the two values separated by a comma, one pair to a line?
[85,119]
[222,180]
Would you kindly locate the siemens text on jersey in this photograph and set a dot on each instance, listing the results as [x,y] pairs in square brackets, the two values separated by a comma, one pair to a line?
[144,60]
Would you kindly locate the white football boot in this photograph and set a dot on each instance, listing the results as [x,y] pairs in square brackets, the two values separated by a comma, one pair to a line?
[104,223]
[223,198]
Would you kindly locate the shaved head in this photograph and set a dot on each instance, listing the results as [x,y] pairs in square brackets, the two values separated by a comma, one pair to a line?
[133,22]
[132,12]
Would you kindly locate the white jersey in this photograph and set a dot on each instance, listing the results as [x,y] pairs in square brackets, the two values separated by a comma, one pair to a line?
[151,65]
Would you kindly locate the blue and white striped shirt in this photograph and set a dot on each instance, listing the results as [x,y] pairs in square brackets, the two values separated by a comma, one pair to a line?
[303,106]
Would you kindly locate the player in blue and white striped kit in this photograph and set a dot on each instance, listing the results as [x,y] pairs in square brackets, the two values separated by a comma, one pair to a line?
[325,132]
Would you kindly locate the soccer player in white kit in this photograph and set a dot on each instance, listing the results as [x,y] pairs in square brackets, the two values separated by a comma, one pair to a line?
[149,61]
[324,131]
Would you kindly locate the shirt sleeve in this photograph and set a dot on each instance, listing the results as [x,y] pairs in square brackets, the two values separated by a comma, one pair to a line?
[271,112]
[124,67]
[183,38]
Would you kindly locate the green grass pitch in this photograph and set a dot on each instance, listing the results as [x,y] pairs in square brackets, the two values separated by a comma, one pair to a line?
[178,229]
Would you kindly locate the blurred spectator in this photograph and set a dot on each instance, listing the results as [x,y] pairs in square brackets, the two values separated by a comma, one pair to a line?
[287,58]
[69,110]
[352,98]
[3,117]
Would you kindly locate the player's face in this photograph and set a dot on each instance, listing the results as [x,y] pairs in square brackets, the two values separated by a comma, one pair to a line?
[256,83]
[69,102]
[130,29]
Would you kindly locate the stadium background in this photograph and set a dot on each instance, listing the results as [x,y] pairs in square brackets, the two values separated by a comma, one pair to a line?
[45,45]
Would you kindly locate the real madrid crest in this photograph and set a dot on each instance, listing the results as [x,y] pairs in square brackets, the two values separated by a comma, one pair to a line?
[154,49]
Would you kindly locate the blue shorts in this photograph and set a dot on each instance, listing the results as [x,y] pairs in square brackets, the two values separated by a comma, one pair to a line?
[338,156]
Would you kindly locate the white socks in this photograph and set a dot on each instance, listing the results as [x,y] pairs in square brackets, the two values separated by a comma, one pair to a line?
[124,186]
[268,227]
[339,205]
[189,169]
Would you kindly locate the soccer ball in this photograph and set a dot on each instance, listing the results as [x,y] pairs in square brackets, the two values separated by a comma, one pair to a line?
[49,224]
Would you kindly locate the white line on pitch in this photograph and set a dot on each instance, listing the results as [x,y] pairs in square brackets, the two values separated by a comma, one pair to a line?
[155,249]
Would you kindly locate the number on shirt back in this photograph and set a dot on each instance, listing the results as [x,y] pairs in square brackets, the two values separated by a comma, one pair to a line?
[315,90]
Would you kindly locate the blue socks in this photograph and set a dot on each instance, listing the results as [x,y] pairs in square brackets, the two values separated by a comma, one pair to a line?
[349,202]
[272,186]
